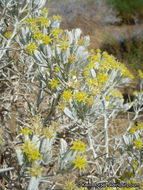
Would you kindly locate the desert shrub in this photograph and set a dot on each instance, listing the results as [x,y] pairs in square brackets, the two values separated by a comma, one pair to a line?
[63,99]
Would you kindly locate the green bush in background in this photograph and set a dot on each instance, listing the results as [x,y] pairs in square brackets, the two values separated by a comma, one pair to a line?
[128,8]
[134,54]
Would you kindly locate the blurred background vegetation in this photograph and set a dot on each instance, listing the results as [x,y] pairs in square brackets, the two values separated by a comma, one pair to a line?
[128,9]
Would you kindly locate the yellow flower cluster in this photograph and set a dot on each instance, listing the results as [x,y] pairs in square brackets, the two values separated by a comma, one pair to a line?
[107,98]
[81,42]
[96,85]
[45,11]
[56,69]
[80,162]
[71,58]
[30,21]
[36,124]
[37,35]
[91,65]
[54,83]
[69,185]
[8,34]
[90,101]
[92,82]
[56,32]
[86,73]
[37,24]
[81,97]
[35,170]
[48,132]
[46,39]
[26,131]
[136,128]
[31,47]
[61,106]
[31,152]
[95,56]
[116,93]
[110,63]
[102,78]
[43,21]
[57,17]
[78,146]
[64,46]
[140,73]
[1,140]
[67,95]
[138,143]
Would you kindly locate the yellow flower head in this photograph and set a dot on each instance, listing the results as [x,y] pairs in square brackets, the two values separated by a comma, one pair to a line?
[46,40]
[116,93]
[92,82]
[48,132]
[31,152]
[81,42]
[138,143]
[30,21]
[80,162]
[56,32]
[98,51]
[64,46]
[69,185]
[67,94]
[64,38]
[44,21]
[71,58]
[90,101]
[86,73]
[1,140]
[102,78]
[57,17]
[140,73]
[135,92]
[34,27]
[31,47]
[107,98]
[91,65]
[74,84]
[56,69]
[26,131]
[36,124]
[45,11]
[8,34]
[35,170]
[55,125]
[54,83]
[61,106]
[81,96]
[132,130]
[37,35]
[78,146]
[73,74]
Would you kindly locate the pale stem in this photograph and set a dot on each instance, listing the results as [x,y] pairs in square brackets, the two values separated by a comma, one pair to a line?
[33,183]
[90,141]
[106,135]
[9,41]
